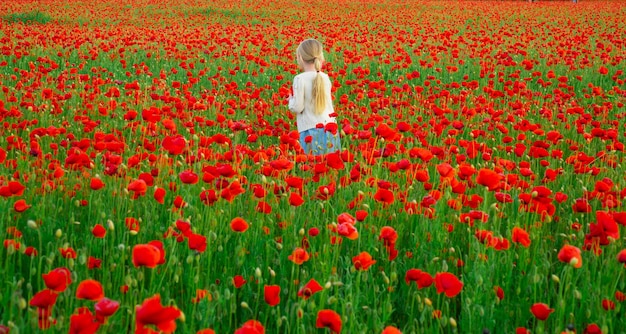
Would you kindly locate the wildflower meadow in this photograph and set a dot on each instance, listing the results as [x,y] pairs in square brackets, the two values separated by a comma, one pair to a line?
[152,179]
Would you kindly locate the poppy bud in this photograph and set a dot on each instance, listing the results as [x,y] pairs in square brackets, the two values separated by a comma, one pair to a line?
[32,224]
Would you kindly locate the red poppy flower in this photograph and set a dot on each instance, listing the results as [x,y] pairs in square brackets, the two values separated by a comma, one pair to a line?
[138,188]
[263,207]
[600,233]
[391,330]
[310,288]
[360,215]
[346,218]
[106,308]
[197,242]
[328,319]
[90,289]
[592,329]
[448,284]
[299,256]
[520,236]
[98,231]
[271,294]
[68,253]
[363,261]
[20,205]
[499,292]
[238,224]
[295,199]
[83,322]
[251,327]
[57,279]
[132,224]
[489,179]
[422,279]
[239,281]
[608,304]
[384,196]
[388,235]
[541,311]
[206,331]
[148,255]
[96,183]
[188,177]
[348,230]
[159,195]
[570,254]
[151,312]
[93,263]
[44,299]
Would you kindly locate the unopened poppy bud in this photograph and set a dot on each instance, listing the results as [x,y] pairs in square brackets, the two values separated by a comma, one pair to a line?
[394,276]
[573,262]
[331,300]
[555,278]
[58,233]
[244,305]
[182,316]
[577,294]
[279,246]
[444,266]
[110,225]
[452,322]
[257,272]
[428,302]
[328,285]
[32,224]
[189,259]
[133,232]
[176,278]
[301,232]
[385,279]
[534,194]
[272,273]
[71,263]
[21,303]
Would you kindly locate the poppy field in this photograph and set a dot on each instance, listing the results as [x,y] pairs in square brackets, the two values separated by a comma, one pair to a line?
[152,180]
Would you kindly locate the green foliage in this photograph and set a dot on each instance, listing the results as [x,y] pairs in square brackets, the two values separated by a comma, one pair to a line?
[33,17]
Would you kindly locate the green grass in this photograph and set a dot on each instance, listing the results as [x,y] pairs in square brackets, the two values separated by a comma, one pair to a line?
[33,17]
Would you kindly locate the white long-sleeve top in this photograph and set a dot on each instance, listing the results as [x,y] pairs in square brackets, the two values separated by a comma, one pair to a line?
[302,104]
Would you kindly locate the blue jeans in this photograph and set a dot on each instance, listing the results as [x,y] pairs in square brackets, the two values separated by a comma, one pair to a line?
[321,141]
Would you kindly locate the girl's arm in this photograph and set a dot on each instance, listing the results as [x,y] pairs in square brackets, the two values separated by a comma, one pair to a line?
[296,102]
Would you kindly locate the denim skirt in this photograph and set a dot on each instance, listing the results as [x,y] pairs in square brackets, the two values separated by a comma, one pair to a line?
[319,141]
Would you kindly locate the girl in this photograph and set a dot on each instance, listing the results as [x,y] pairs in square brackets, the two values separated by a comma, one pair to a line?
[312,102]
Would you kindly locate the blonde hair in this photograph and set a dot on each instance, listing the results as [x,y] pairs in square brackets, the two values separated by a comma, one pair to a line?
[311,52]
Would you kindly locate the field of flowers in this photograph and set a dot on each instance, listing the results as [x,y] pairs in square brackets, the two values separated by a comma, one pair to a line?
[152,179]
